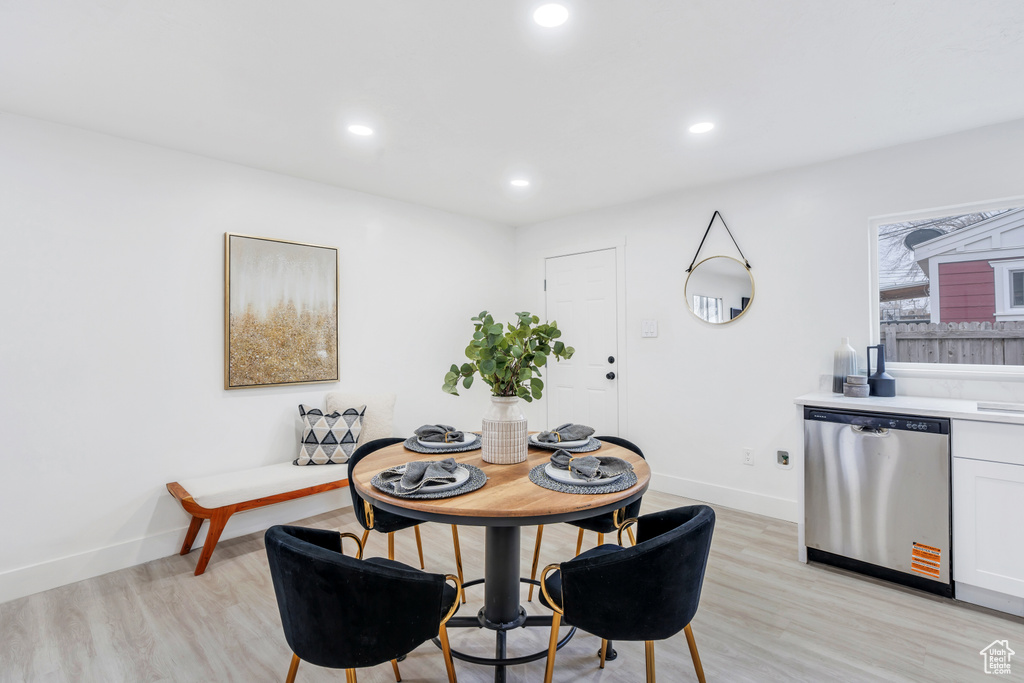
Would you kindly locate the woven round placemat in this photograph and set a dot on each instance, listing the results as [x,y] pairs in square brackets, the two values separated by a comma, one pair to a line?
[540,478]
[413,445]
[588,447]
[477,478]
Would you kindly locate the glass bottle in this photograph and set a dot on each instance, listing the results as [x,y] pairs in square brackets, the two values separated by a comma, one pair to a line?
[845,364]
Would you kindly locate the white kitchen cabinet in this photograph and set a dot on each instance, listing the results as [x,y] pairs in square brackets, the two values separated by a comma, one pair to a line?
[988,506]
[989,441]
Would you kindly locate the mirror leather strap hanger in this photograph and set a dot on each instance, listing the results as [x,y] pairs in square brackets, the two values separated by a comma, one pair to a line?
[718,215]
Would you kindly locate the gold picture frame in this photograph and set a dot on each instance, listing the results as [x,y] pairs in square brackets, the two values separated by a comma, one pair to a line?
[280,312]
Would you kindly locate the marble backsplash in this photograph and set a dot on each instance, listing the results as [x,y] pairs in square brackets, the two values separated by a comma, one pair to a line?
[972,384]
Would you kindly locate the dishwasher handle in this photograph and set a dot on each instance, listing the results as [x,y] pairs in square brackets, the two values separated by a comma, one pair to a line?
[909,423]
[871,431]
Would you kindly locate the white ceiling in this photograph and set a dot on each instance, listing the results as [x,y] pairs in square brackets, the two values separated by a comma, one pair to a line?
[466,93]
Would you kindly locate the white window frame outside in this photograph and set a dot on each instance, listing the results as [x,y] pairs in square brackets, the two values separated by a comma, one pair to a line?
[934,370]
[1005,310]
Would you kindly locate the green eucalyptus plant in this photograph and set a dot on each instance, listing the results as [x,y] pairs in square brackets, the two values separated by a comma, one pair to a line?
[509,361]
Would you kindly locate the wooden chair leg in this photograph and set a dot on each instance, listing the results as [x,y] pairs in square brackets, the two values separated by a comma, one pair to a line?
[217,522]
[579,542]
[419,545]
[649,647]
[391,545]
[556,620]
[536,559]
[293,669]
[458,558]
[398,676]
[604,651]
[694,654]
[446,650]
[190,535]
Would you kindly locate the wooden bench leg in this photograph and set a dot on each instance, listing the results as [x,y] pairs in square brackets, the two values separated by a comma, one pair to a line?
[190,536]
[217,522]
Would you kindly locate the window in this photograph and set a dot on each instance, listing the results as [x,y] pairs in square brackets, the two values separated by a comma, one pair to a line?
[1009,277]
[708,308]
[951,289]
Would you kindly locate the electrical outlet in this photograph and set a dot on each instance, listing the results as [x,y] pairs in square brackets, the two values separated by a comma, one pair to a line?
[748,456]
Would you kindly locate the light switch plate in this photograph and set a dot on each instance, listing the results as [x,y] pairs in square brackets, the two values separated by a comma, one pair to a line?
[648,328]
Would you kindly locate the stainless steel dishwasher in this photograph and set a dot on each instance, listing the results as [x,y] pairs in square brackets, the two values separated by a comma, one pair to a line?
[876,493]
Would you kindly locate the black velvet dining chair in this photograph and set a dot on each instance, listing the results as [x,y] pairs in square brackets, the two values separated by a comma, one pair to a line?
[347,613]
[647,592]
[386,522]
[605,523]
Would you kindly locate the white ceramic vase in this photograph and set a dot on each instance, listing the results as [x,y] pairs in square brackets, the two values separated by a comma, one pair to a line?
[503,433]
[845,364]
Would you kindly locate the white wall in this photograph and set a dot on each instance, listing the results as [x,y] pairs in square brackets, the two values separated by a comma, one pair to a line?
[698,394]
[111,347]
[111,344]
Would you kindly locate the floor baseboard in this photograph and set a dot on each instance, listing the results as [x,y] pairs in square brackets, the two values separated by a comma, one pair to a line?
[23,581]
[737,499]
[30,579]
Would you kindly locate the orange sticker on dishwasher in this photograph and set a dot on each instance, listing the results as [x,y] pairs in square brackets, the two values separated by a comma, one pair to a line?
[926,559]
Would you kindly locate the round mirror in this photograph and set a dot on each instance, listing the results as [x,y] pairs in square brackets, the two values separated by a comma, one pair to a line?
[719,289]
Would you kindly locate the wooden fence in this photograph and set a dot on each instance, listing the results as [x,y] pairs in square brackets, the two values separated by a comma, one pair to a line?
[978,343]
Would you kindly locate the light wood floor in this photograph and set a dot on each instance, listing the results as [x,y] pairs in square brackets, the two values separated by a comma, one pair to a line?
[763,617]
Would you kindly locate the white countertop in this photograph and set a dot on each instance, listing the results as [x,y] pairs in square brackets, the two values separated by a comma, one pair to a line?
[957,409]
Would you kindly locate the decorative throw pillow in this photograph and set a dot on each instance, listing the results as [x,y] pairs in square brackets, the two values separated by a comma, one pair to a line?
[329,439]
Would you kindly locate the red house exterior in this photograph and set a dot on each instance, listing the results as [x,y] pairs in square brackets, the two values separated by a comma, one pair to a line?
[967,292]
[976,273]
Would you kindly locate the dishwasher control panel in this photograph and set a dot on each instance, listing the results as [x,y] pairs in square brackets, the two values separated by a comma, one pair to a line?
[880,421]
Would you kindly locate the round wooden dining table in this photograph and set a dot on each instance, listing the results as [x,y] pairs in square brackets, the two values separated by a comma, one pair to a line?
[506,502]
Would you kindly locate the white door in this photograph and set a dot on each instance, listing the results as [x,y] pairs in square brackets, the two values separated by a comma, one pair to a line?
[581,297]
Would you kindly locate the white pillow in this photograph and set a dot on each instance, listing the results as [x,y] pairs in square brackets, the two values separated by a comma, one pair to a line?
[378,423]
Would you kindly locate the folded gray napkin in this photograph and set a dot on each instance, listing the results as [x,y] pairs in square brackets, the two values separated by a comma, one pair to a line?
[566,432]
[439,433]
[419,473]
[590,467]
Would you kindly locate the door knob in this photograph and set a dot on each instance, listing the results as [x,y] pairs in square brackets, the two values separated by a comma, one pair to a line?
[610,375]
[611,359]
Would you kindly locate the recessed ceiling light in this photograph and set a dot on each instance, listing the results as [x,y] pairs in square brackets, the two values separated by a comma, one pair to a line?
[550,16]
[701,127]
[520,182]
[358,129]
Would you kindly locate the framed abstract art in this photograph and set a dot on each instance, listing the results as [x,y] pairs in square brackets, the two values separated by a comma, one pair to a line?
[280,312]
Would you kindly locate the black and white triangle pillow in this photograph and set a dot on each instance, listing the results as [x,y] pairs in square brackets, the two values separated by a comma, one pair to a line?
[329,439]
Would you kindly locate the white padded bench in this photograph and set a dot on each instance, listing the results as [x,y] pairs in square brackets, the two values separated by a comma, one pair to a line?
[219,496]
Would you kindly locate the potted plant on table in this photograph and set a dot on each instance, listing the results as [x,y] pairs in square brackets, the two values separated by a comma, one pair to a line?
[508,358]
